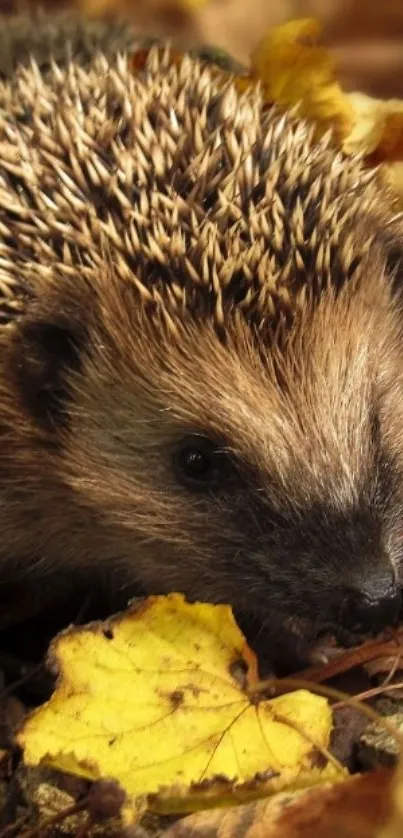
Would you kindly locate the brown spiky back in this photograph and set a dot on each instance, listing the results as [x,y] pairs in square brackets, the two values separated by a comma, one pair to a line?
[201,198]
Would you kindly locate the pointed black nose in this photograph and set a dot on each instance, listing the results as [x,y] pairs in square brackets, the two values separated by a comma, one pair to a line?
[364,613]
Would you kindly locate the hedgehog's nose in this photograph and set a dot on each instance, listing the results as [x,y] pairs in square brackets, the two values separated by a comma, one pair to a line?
[372,608]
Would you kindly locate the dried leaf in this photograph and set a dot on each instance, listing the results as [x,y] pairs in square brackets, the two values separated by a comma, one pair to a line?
[378,128]
[357,808]
[157,699]
[294,71]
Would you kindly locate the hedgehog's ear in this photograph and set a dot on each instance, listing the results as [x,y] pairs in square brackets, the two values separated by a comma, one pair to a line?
[47,346]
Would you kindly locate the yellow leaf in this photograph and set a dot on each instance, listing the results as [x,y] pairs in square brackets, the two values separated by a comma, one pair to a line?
[377,134]
[293,70]
[377,128]
[157,699]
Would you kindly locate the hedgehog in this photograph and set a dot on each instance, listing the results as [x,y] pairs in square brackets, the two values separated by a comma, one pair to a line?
[201,375]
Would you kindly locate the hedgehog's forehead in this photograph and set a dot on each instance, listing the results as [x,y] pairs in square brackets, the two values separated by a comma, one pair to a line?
[253,392]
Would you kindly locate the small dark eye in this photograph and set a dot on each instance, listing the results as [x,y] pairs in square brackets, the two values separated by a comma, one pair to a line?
[199,463]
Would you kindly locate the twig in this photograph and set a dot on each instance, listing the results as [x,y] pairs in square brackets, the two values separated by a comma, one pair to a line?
[369,651]
[10,830]
[40,830]
[374,691]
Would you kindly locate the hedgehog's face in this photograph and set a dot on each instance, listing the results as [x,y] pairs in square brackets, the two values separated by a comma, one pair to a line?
[282,483]
[227,475]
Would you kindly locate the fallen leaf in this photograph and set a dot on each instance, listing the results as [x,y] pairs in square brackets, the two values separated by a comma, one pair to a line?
[157,699]
[394,826]
[377,128]
[294,71]
[356,808]
[377,134]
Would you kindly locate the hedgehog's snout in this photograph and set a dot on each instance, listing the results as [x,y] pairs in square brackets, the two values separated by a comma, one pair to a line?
[372,607]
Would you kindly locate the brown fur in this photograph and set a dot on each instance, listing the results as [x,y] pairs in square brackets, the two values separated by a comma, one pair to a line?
[238,282]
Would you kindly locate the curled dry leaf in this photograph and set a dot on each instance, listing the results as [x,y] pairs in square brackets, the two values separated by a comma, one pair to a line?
[294,70]
[378,128]
[158,700]
[378,135]
[394,824]
[359,808]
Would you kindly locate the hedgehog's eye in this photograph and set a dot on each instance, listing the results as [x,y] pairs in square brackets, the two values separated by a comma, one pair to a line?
[198,463]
